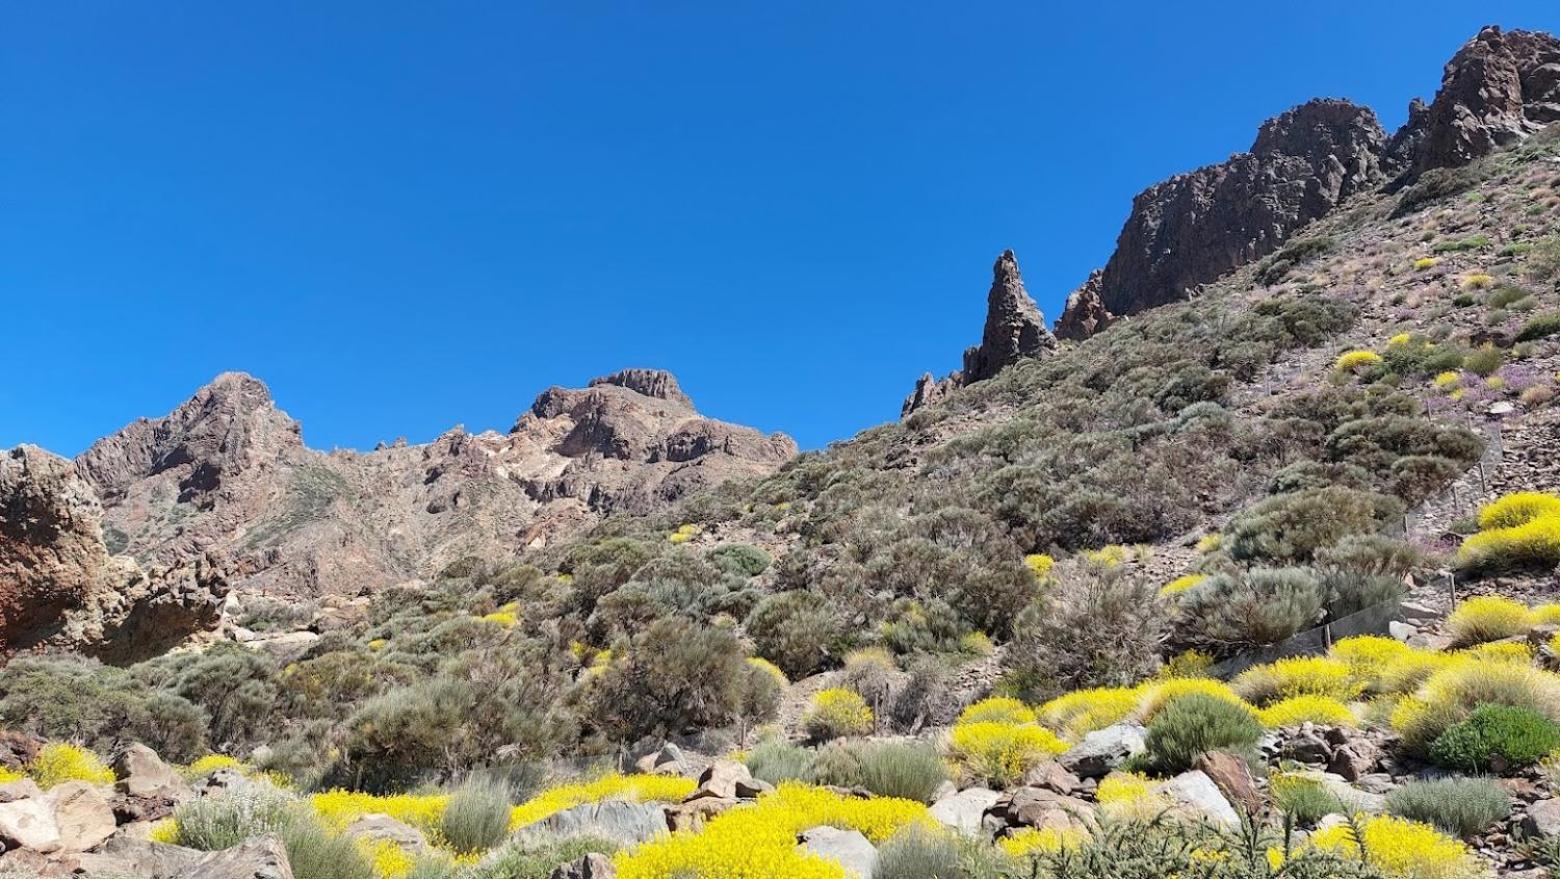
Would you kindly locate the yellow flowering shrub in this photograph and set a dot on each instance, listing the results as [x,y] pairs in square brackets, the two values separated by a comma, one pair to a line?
[1546,614]
[1157,696]
[837,712]
[1452,693]
[338,808]
[59,762]
[1367,657]
[1517,530]
[1477,281]
[389,860]
[1446,380]
[1426,262]
[378,644]
[210,763]
[1298,676]
[1030,840]
[976,644]
[1300,709]
[1518,508]
[1350,361]
[1403,849]
[1084,711]
[1001,753]
[8,775]
[1209,543]
[997,709]
[1186,664]
[640,788]
[1405,673]
[769,668]
[507,616]
[1487,618]
[1501,651]
[684,534]
[165,831]
[1400,340]
[1040,565]
[759,841]
[1181,584]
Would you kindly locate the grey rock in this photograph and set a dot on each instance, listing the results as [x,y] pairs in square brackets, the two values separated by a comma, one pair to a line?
[1197,791]
[29,824]
[848,848]
[963,810]
[82,815]
[624,822]
[592,866]
[383,828]
[1543,819]
[1103,750]
[142,773]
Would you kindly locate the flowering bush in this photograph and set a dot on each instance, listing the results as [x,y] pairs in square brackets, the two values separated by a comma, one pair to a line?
[1516,531]
[1351,361]
[1181,584]
[838,712]
[684,534]
[997,709]
[1518,508]
[759,841]
[1000,753]
[203,766]
[1300,676]
[1462,685]
[1368,657]
[641,788]
[1156,697]
[1040,565]
[1301,709]
[1500,651]
[1084,711]
[769,668]
[1029,840]
[1487,618]
[58,763]
[338,808]
[1402,849]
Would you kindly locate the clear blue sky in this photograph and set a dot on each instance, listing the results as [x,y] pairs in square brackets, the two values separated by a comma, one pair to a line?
[407,215]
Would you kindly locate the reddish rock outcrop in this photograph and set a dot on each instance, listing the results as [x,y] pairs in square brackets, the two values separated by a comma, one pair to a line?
[60,587]
[1196,227]
[1085,313]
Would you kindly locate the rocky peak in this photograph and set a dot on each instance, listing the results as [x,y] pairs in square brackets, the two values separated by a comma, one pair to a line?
[656,383]
[227,426]
[1015,328]
[1500,87]
[1085,313]
[1196,227]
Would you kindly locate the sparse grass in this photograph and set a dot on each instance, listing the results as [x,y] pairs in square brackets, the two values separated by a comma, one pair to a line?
[1460,806]
[1474,242]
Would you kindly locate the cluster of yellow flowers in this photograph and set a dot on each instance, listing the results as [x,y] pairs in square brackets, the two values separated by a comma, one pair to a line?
[643,788]
[1518,530]
[1353,361]
[759,841]
[1402,848]
[1181,584]
[997,740]
[838,712]
[59,762]
[507,616]
[338,808]
[684,533]
[1040,565]
[769,668]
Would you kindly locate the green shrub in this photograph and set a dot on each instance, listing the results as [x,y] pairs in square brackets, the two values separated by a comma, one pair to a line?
[1093,628]
[838,764]
[1255,608]
[1292,528]
[1484,361]
[1473,242]
[775,761]
[795,630]
[1506,295]
[1303,799]
[1195,724]
[80,700]
[315,853]
[1540,327]
[919,853]
[910,770]
[1156,848]
[229,818]
[1460,806]
[673,676]
[477,817]
[1433,186]
[1496,738]
[739,559]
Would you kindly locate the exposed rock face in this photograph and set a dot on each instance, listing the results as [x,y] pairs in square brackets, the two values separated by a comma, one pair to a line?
[1195,227]
[60,587]
[228,470]
[1085,313]
[1500,87]
[1015,329]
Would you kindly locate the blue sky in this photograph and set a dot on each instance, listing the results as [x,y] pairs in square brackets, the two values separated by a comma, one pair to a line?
[408,215]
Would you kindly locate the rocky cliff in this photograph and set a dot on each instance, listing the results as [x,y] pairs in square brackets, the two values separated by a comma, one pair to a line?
[228,470]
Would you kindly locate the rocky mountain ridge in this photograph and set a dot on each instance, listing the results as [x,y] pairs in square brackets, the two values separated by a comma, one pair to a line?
[228,471]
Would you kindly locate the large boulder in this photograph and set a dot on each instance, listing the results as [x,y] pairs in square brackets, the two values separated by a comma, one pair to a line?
[848,848]
[623,822]
[376,828]
[29,824]
[963,810]
[1197,793]
[82,815]
[142,773]
[1543,820]
[725,780]
[1103,750]
[1039,808]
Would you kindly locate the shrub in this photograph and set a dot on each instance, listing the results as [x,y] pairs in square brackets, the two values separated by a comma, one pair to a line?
[1001,753]
[1302,798]
[837,712]
[1496,737]
[997,709]
[795,630]
[760,687]
[1540,327]
[1487,618]
[1484,361]
[1155,698]
[739,559]
[1402,849]
[1535,545]
[1368,657]
[871,672]
[636,788]
[918,852]
[1353,361]
[314,853]
[1181,584]
[1518,508]
[533,858]
[1084,711]
[836,764]
[99,706]
[1306,709]
[1292,528]
[1194,725]
[1298,676]
[1097,627]
[1460,806]
[776,761]
[231,817]
[477,817]
[59,762]
[673,676]
[1254,608]
[1459,686]
[907,770]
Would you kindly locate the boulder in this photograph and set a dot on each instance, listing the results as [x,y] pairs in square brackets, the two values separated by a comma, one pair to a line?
[262,858]
[592,866]
[1040,808]
[617,820]
[668,760]
[29,824]
[693,814]
[1103,750]
[722,780]
[21,789]
[1049,774]
[963,810]
[1197,792]
[82,815]
[848,848]
[383,828]
[1232,777]
[142,773]
[1543,819]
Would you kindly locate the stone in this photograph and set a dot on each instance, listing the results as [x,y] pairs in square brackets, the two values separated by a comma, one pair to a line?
[624,822]
[1196,791]
[142,773]
[60,586]
[29,824]
[1085,314]
[693,814]
[929,391]
[1051,775]
[1543,819]
[592,866]
[21,789]
[1401,631]
[963,810]
[383,828]
[1305,744]
[1233,778]
[1040,808]
[668,760]
[1103,750]
[124,855]
[721,779]
[1354,759]
[848,848]
[1015,328]
[261,858]
[1196,227]
[82,816]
